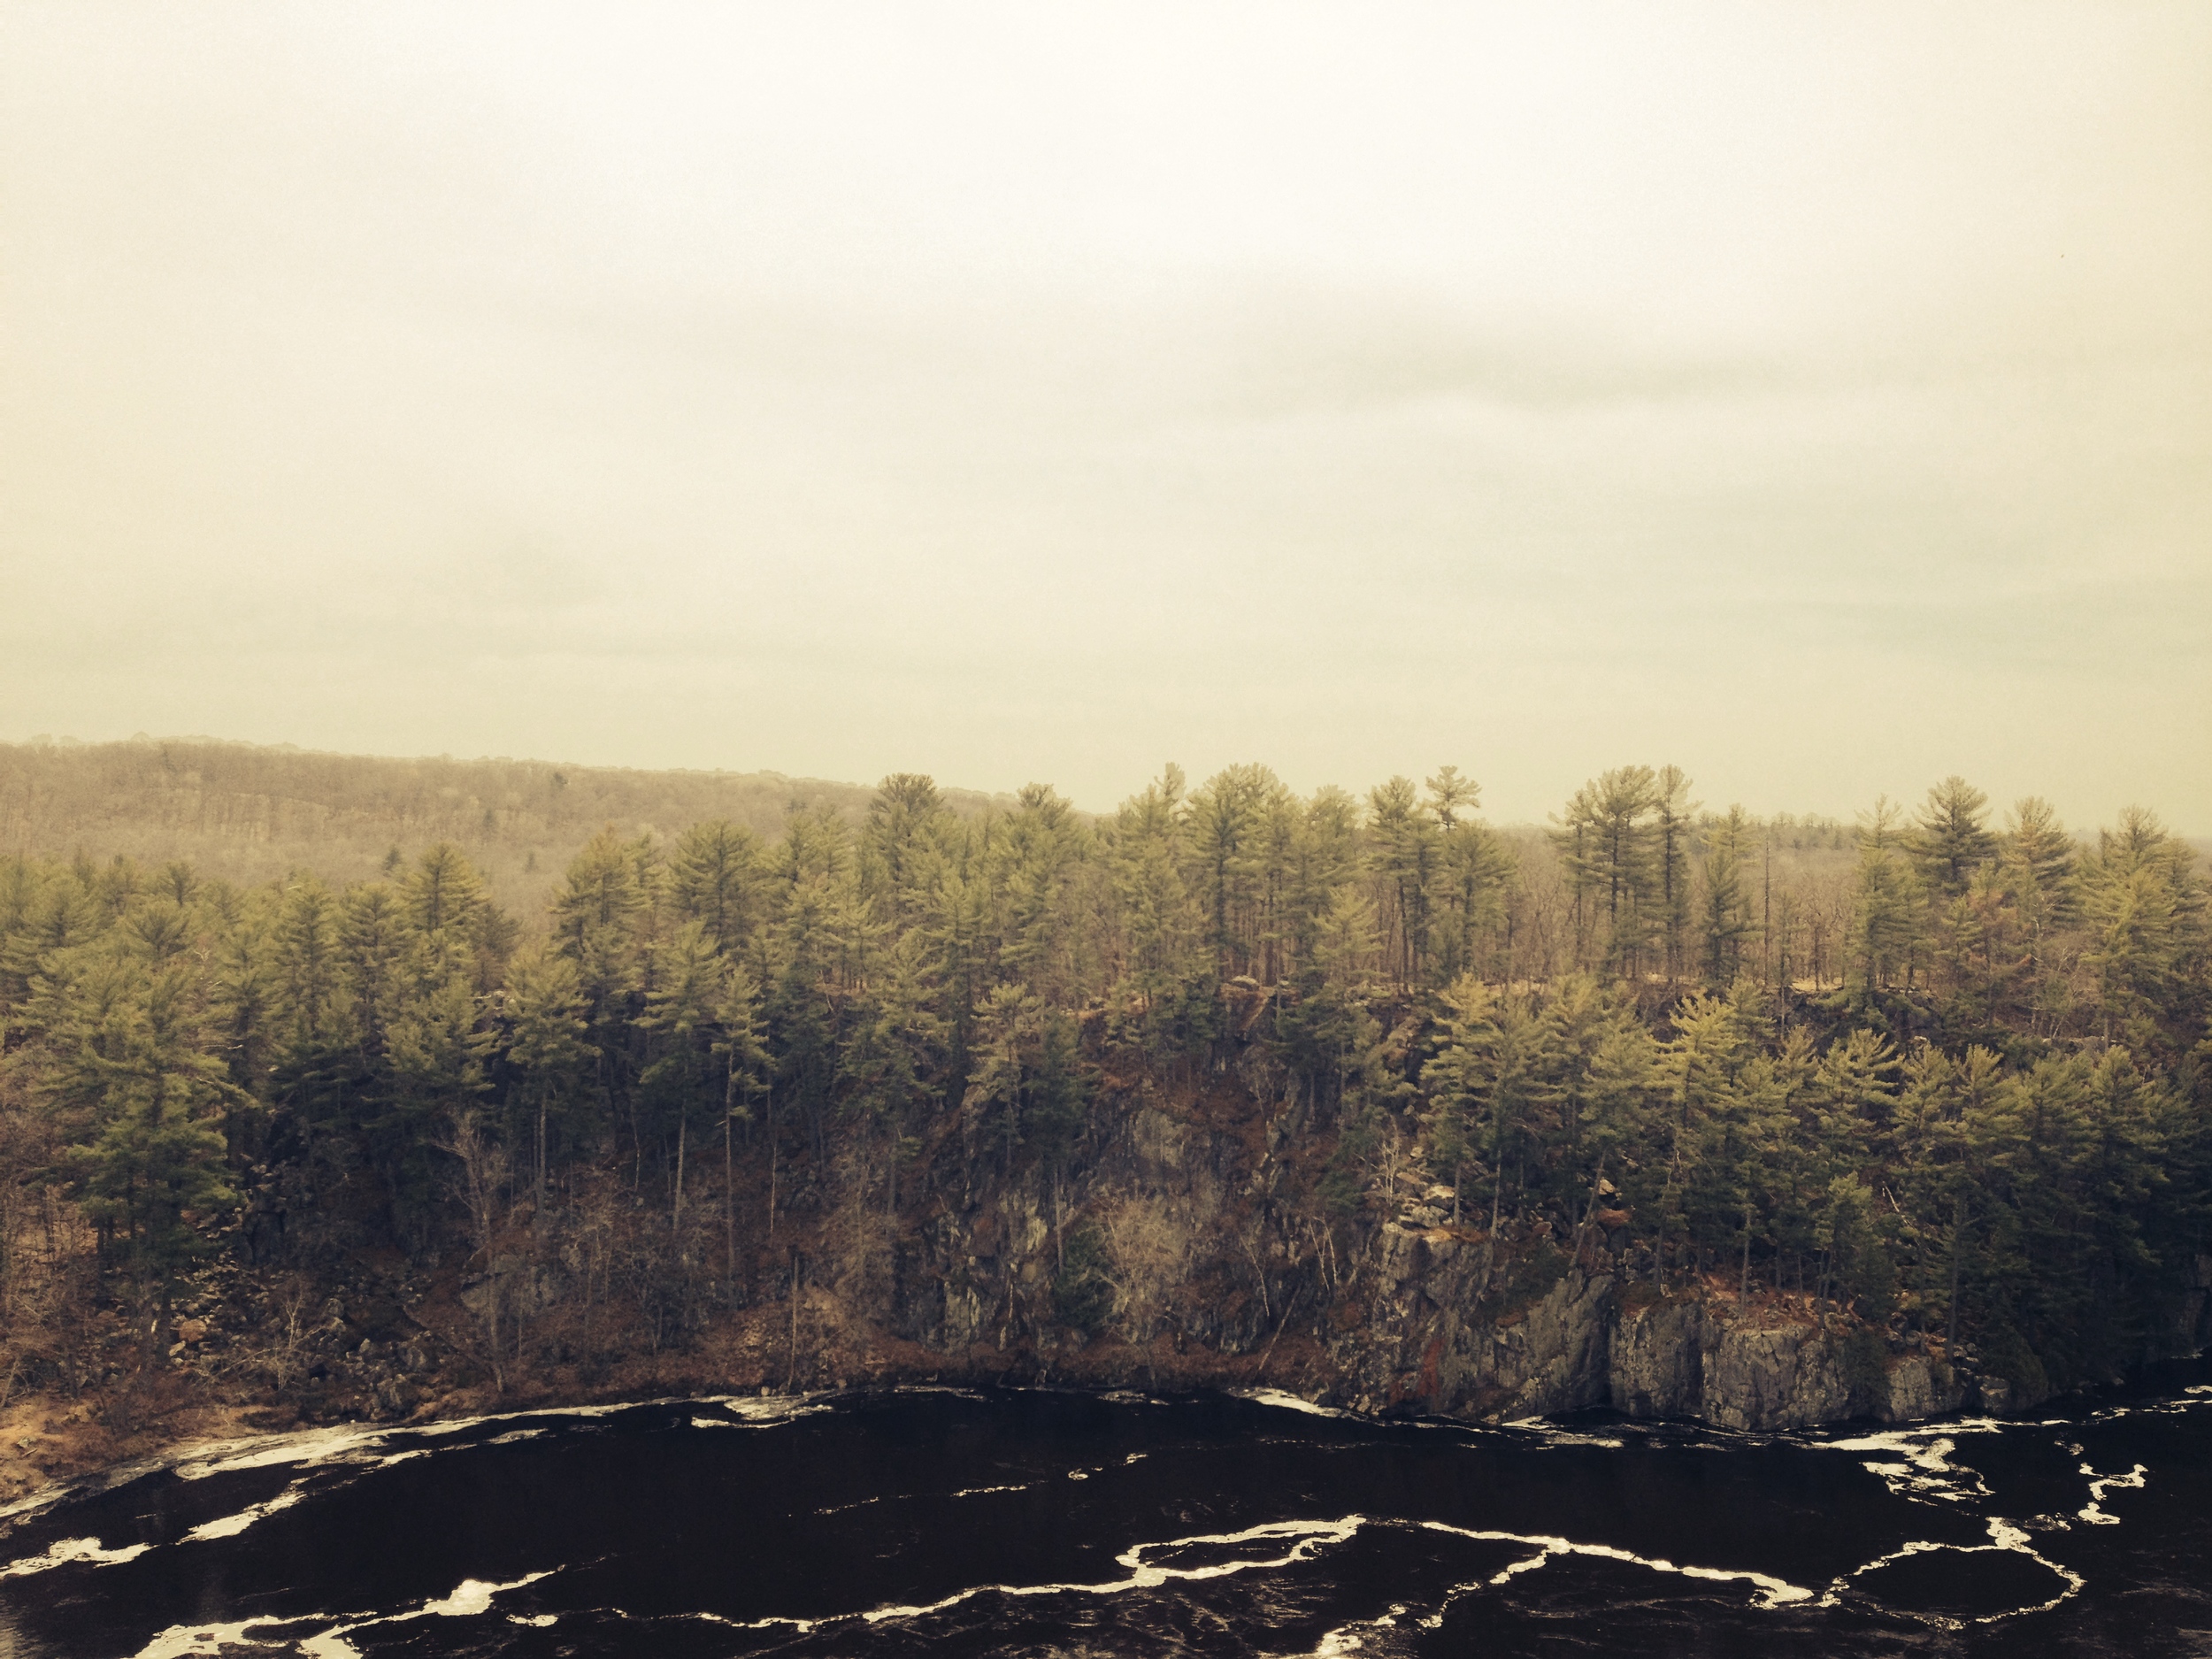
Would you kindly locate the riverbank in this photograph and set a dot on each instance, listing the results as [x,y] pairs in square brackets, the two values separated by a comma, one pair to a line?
[267,1353]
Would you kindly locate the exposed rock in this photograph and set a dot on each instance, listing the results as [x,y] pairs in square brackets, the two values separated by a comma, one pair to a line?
[1772,1377]
[1575,1345]
[1655,1361]
[1556,1359]
[1920,1387]
[1158,1139]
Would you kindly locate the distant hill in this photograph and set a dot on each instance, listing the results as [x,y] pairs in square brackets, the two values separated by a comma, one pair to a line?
[248,813]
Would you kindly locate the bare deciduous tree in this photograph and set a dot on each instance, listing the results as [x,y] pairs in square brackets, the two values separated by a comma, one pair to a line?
[480,1184]
[1148,1256]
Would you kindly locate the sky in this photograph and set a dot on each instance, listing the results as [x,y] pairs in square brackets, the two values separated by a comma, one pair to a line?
[1818,397]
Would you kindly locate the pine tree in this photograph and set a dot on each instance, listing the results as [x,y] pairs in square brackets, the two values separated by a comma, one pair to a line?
[1670,800]
[1948,842]
[1406,847]
[149,1166]
[1474,874]
[1886,922]
[546,1041]
[715,876]
[1725,921]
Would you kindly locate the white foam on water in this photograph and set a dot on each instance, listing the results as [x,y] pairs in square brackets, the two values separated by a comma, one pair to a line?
[1913,1461]
[1292,1402]
[69,1552]
[1304,1537]
[1548,1434]
[2092,1512]
[315,1449]
[1772,1592]
[2190,1399]
[1335,1643]
[180,1642]
[1920,1466]
[762,1409]
[958,1393]
[315,1445]
[1916,1463]
[547,1621]
[231,1526]
[349,1446]
[2004,1538]
[470,1598]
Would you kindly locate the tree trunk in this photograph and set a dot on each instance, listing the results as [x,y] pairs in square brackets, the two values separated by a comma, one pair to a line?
[1589,1208]
[1958,1249]
[791,1371]
[1743,1287]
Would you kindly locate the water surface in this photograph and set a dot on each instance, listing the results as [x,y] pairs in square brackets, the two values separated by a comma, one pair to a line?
[1042,1523]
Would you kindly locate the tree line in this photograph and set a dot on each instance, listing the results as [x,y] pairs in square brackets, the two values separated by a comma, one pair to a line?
[1962,1087]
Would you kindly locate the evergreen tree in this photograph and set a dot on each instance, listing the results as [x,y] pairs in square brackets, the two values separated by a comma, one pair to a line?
[715,878]
[1948,842]
[1725,921]
[546,1042]
[1672,805]
[148,1161]
[1885,924]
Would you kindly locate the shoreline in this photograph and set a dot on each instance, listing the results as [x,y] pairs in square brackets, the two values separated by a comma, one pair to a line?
[208,1443]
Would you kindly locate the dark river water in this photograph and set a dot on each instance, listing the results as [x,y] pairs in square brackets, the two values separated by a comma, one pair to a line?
[1040,1523]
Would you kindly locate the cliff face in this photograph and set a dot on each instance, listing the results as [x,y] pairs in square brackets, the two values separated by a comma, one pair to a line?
[1213,1262]
[1589,1342]
[1434,1318]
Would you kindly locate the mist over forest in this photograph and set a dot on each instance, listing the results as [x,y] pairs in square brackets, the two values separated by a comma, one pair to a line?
[252,812]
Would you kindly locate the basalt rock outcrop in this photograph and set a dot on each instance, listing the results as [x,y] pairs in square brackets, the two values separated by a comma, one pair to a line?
[1588,1339]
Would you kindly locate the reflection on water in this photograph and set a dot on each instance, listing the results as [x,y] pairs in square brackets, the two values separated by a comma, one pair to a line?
[1044,1523]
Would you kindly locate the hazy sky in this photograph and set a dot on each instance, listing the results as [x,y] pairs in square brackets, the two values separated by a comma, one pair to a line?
[1817,397]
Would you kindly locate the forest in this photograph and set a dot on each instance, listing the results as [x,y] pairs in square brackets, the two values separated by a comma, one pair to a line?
[1946,1071]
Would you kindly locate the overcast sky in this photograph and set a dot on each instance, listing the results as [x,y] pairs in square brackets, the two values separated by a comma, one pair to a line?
[1817,397]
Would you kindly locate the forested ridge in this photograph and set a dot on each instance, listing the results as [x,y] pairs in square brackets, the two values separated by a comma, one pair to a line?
[249,813]
[1941,1077]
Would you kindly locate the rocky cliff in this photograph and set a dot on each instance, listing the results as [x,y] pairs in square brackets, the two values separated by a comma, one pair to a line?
[1211,1263]
[1589,1339]
[1432,1317]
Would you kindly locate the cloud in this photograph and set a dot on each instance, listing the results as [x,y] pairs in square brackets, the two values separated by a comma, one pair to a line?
[1019,394]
